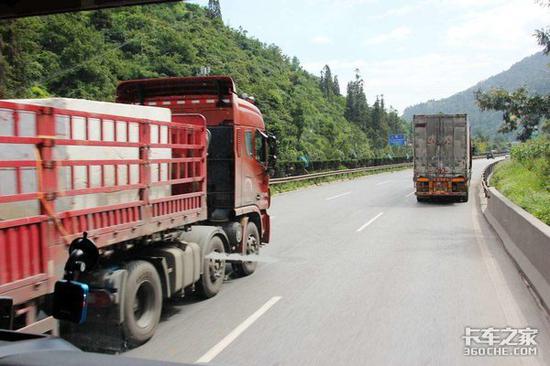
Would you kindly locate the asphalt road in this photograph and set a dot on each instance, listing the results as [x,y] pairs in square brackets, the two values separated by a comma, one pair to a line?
[359,273]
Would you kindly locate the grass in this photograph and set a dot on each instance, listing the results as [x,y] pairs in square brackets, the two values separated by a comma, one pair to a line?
[292,186]
[528,188]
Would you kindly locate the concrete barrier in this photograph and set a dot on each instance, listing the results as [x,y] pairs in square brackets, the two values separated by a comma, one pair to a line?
[526,238]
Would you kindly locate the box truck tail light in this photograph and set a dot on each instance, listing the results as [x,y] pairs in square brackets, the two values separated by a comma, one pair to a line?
[423,186]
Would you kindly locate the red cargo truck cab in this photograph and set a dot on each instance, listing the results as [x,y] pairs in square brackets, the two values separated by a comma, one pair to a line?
[214,198]
[238,151]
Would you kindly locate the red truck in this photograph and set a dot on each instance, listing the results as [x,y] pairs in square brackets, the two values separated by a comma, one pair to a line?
[155,196]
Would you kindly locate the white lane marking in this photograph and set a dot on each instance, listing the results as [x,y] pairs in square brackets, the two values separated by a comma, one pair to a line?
[369,222]
[214,351]
[337,196]
[410,194]
[384,182]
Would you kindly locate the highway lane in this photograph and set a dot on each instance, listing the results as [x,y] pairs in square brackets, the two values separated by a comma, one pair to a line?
[360,273]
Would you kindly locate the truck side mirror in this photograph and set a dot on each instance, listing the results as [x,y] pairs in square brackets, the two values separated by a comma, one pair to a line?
[273,147]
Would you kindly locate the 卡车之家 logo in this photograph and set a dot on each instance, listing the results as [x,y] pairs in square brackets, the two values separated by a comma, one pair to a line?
[500,341]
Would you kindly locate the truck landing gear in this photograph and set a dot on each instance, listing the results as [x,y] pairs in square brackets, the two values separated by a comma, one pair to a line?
[142,303]
[252,239]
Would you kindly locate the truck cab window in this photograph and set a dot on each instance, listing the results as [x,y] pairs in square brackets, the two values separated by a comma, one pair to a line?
[248,143]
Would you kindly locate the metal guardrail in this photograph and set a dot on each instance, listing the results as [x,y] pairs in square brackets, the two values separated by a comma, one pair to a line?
[296,178]
[485,155]
[285,169]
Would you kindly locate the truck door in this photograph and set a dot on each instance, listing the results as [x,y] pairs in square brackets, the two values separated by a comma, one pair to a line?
[420,146]
[254,187]
[460,147]
[432,145]
[446,145]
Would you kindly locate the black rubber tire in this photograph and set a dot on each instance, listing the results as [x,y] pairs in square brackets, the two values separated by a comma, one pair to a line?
[421,199]
[247,268]
[142,303]
[211,280]
[464,198]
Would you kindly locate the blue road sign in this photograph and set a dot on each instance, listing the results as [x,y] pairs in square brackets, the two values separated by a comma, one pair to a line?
[397,140]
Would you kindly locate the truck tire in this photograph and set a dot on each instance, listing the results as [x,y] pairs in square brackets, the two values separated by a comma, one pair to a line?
[142,303]
[252,238]
[464,198]
[422,199]
[213,273]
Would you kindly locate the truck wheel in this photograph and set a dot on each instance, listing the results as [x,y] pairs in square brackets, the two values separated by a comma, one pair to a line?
[464,198]
[211,280]
[253,248]
[421,199]
[142,302]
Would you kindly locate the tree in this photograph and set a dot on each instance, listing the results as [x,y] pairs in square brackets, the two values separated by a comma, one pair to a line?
[295,64]
[378,129]
[543,34]
[327,83]
[336,86]
[357,108]
[521,111]
[214,9]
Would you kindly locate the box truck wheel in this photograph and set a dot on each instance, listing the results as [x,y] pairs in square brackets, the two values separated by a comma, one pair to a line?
[252,238]
[464,198]
[213,274]
[142,302]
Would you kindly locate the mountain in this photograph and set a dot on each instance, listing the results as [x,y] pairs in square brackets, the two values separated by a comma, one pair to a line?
[532,72]
[85,54]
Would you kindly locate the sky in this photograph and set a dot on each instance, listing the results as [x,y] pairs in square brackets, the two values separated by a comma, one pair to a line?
[409,51]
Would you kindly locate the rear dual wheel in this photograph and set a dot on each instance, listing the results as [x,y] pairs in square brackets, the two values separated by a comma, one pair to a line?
[253,241]
[142,303]
[211,280]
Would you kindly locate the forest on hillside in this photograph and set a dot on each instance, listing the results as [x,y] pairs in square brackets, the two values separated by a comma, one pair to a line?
[85,55]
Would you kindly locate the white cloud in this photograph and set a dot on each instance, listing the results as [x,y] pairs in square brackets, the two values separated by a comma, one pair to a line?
[505,26]
[397,34]
[321,40]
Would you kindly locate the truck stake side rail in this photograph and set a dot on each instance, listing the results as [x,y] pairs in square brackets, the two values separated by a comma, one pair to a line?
[29,243]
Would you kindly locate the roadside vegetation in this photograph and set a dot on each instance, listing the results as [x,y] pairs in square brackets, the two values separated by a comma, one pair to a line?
[525,179]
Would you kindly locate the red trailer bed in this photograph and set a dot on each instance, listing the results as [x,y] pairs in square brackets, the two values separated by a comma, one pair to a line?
[33,248]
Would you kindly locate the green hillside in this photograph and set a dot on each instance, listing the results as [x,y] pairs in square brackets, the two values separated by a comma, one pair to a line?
[532,73]
[84,55]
